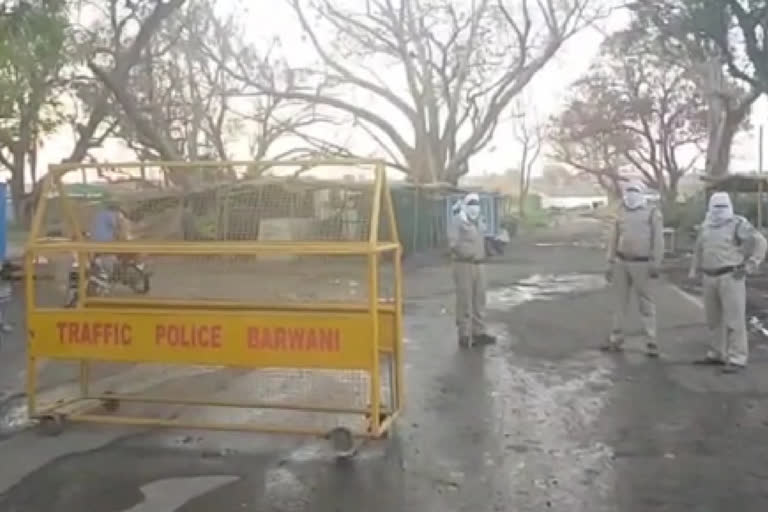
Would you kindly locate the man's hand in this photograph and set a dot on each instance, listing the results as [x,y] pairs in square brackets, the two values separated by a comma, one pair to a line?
[609,274]
[692,275]
[750,267]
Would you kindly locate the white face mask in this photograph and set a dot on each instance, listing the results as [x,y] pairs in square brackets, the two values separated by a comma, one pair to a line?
[473,211]
[720,208]
[633,199]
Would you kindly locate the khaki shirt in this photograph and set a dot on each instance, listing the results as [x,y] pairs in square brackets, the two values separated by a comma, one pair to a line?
[638,233]
[466,240]
[728,245]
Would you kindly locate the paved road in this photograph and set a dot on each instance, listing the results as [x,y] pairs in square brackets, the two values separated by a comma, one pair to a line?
[543,421]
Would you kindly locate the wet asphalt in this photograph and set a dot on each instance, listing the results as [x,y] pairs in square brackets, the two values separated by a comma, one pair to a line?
[542,421]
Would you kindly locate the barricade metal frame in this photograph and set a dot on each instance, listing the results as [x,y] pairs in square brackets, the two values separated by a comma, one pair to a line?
[377,327]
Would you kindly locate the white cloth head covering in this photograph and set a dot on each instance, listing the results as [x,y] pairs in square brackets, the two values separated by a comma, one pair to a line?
[634,195]
[720,209]
[470,198]
[472,206]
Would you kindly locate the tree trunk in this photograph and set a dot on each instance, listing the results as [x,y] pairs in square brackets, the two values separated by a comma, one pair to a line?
[33,162]
[670,194]
[722,118]
[719,150]
[17,182]
[523,193]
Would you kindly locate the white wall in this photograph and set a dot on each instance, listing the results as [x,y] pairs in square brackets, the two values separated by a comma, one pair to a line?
[572,201]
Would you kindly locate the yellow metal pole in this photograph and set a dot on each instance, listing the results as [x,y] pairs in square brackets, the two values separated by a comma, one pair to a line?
[37,219]
[31,381]
[398,342]
[31,296]
[389,208]
[373,237]
[373,301]
[82,261]
[217,248]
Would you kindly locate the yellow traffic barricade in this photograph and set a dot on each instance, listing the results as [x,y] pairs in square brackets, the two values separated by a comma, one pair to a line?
[283,278]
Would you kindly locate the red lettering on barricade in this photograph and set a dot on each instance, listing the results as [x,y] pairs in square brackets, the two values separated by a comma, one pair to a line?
[188,335]
[281,339]
[216,336]
[329,340]
[126,337]
[296,339]
[93,333]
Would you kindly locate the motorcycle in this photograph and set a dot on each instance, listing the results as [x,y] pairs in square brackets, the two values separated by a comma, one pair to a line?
[128,270]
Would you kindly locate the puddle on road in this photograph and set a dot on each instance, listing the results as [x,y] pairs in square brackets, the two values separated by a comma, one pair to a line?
[756,325]
[542,287]
[547,413]
[13,415]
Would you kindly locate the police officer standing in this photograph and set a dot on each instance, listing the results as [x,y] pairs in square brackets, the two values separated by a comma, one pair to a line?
[635,252]
[467,244]
[727,249]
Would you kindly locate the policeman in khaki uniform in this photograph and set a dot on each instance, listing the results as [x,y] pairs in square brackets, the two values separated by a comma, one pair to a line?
[635,252]
[727,249]
[467,244]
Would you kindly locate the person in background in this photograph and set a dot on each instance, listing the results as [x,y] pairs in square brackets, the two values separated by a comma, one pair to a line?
[635,252]
[107,225]
[727,249]
[467,244]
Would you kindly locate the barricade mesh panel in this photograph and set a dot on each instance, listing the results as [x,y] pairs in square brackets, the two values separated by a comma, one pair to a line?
[227,205]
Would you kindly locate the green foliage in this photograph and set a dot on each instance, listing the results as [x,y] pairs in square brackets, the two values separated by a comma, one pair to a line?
[33,51]
[535,215]
[684,215]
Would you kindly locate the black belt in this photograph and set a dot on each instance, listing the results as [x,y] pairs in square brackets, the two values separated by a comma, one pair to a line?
[468,260]
[715,272]
[637,259]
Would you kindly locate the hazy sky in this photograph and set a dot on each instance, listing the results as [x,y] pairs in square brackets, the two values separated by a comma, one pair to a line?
[265,19]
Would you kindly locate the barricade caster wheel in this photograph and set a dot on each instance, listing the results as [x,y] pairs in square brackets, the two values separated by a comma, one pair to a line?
[342,442]
[110,404]
[51,425]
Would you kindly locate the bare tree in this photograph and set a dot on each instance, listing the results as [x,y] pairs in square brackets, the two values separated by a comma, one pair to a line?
[451,70]
[111,51]
[642,108]
[529,134]
[180,102]
[104,55]
[597,154]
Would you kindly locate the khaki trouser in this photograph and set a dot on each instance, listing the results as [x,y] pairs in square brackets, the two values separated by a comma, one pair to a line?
[470,298]
[629,277]
[725,300]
